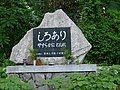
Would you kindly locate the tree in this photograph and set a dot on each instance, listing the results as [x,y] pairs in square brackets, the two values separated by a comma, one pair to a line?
[16,19]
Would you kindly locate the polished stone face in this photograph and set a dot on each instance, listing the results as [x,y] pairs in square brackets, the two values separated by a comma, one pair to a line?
[51,42]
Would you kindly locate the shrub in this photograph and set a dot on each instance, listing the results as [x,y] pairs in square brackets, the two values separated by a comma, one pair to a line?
[16,19]
[107,78]
[12,82]
[102,30]
[5,62]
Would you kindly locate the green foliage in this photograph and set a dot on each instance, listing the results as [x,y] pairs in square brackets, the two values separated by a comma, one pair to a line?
[16,18]
[71,7]
[2,72]
[33,54]
[3,38]
[68,56]
[5,62]
[12,82]
[107,78]
[102,29]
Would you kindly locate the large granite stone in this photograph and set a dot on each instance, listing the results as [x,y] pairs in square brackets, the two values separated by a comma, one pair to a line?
[79,44]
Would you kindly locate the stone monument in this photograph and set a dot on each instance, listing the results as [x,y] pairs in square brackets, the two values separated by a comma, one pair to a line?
[79,44]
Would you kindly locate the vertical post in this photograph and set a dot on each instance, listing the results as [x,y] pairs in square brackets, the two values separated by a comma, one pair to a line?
[34,62]
[24,62]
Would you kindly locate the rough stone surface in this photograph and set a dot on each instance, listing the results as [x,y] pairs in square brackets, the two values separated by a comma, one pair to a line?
[79,44]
